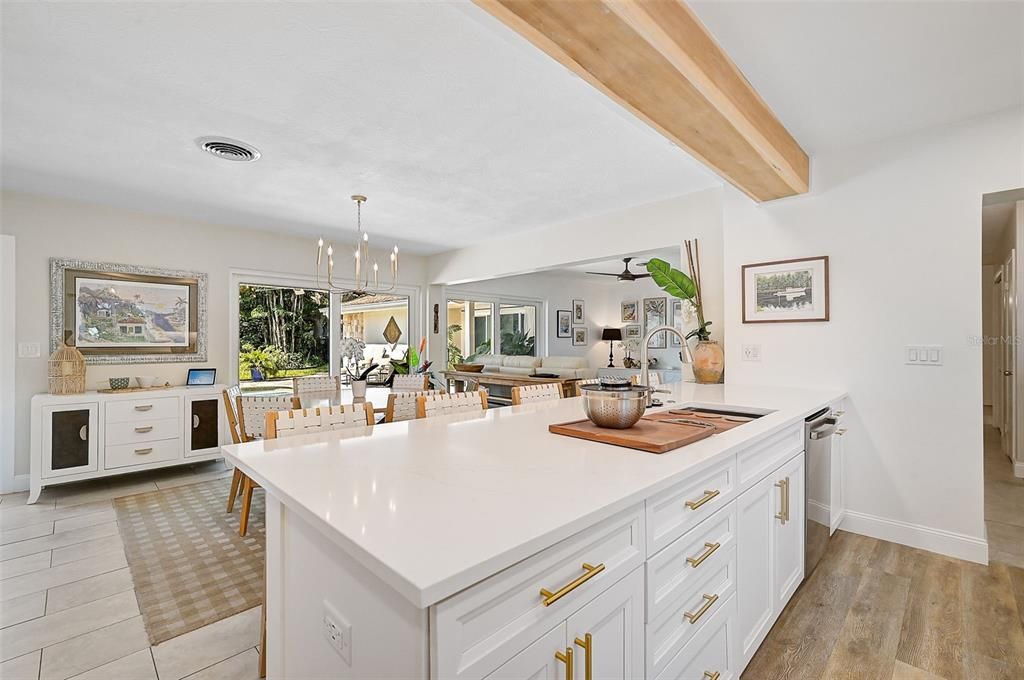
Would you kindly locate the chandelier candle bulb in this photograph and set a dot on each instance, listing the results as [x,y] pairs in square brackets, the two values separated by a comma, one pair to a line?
[360,254]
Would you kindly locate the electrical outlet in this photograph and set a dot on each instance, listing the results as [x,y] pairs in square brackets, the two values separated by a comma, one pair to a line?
[28,350]
[751,352]
[338,632]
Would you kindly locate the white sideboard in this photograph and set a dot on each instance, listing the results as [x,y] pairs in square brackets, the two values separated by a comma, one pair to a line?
[98,434]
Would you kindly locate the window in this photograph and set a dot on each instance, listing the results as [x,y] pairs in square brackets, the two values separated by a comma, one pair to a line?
[470,330]
[518,329]
[283,332]
[373,319]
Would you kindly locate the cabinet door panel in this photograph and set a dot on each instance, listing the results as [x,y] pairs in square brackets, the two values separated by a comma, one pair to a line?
[755,567]
[204,424]
[70,435]
[614,622]
[538,661]
[788,546]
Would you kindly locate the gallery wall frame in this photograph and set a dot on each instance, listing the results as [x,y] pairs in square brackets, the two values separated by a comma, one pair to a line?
[123,314]
[563,323]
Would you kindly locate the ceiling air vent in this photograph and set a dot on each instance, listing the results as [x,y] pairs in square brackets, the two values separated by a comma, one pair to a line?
[228,149]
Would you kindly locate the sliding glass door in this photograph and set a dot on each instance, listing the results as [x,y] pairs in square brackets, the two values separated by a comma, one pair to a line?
[283,332]
[518,329]
[470,330]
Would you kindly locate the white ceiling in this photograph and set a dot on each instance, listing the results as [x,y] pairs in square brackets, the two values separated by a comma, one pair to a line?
[457,129]
[842,73]
[615,264]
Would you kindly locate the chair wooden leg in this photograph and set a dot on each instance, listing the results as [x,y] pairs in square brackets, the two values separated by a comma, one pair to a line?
[236,483]
[243,521]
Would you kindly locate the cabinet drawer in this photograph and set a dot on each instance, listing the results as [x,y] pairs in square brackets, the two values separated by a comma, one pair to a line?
[131,410]
[681,622]
[756,461]
[142,431]
[478,629]
[672,573]
[709,652]
[675,511]
[125,455]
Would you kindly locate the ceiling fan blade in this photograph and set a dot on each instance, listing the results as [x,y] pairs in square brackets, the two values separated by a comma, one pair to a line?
[602,274]
[641,276]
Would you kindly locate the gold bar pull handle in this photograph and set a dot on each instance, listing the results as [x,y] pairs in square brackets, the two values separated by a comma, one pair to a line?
[566,658]
[143,452]
[708,495]
[694,617]
[144,407]
[590,571]
[711,548]
[143,430]
[711,675]
[783,514]
[587,643]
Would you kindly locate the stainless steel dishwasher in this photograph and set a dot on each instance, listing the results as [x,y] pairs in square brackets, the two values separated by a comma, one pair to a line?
[818,431]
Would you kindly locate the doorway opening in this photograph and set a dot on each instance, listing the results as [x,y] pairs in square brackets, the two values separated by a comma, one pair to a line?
[1002,275]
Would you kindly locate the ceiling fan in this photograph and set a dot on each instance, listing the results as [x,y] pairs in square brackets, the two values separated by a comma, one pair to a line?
[626,274]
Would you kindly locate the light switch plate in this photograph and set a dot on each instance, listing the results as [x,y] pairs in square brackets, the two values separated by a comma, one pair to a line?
[28,350]
[751,352]
[923,355]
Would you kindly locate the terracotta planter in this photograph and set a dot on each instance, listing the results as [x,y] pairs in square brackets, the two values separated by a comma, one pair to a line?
[708,362]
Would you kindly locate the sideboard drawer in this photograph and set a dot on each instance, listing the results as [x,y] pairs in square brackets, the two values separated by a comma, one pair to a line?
[673,512]
[709,652]
[142,431]
[130,410]
[126,455]
[678,624]
[672,573]
[759,459]
[480,628]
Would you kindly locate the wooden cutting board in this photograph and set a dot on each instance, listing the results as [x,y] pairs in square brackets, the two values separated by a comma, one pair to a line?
[721,422]
[649,434]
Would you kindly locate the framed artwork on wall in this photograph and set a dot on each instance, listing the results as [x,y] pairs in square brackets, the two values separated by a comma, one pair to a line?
[563,323]
[676,320]
[579,336]
[578,317]
[629,312]
[121,314]
[786,291]
[632,332]
[656,314]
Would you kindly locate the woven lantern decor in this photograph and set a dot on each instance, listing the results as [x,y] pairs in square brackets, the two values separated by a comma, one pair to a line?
[67,371]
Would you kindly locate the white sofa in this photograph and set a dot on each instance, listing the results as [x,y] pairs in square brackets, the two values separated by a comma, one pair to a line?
[563,367]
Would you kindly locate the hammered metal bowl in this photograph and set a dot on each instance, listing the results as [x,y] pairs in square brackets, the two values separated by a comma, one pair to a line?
[614,404]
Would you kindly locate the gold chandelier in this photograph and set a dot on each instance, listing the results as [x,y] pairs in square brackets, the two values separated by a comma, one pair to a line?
[367,278]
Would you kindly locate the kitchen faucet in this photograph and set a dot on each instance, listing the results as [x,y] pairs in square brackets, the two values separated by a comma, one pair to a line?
[645,374]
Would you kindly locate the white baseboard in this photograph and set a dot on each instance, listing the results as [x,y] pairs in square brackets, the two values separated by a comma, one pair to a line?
[1018,469]
[20,483]
[917,536]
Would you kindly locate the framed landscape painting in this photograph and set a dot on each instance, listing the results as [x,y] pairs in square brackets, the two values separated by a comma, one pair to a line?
[632,332]
[563,323]
[629,312]
[656,314]
[126,314]
[786,291]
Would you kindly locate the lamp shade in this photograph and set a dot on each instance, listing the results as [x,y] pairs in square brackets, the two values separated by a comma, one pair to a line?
[611,334]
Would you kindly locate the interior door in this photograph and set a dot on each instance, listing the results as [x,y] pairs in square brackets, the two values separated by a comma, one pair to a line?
[608,633]
[538,661]
[1008,333]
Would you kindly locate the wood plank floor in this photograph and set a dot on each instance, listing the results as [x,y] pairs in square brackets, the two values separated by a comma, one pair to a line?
[874,610]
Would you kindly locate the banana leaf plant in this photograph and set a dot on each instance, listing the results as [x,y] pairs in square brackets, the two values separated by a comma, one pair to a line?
[679,285]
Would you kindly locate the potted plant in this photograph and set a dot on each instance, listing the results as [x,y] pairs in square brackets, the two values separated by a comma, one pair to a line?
[708,356]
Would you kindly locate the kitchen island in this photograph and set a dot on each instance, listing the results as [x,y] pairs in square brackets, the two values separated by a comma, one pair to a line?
[422,548]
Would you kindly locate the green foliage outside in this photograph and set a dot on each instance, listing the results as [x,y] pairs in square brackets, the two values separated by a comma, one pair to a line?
[282,332]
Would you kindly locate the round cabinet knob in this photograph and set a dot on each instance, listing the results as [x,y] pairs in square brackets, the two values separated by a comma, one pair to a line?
[1007,373]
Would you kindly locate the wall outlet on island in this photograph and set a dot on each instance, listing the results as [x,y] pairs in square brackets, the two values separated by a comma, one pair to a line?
[338,632]
[751,352]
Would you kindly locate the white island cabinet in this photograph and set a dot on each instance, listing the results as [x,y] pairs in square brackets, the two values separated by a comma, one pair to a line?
[472,547]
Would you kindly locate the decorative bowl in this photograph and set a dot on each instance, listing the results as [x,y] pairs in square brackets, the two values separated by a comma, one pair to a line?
[145,380]
[119,383]
[469,368]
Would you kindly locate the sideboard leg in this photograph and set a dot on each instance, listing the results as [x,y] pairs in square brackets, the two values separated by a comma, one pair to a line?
[33,494]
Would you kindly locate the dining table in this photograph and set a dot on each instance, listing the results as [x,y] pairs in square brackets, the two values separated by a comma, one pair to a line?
[378,396]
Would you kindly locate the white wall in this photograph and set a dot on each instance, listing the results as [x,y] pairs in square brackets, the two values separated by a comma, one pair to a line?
[8,286]
[45,228]
[900,220]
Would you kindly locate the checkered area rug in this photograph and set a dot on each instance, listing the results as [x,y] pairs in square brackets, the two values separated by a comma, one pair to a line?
[189,565]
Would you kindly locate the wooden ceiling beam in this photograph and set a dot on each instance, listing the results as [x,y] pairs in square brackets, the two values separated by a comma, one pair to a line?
[655,58]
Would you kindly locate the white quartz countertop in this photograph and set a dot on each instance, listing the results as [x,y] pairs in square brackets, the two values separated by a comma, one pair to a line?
[433,506]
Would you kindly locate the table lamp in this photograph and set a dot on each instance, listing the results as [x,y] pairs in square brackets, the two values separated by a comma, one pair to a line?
[611,335]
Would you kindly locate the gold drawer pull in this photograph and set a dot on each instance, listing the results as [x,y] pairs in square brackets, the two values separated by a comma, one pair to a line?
[712,676]
[144,451]
[841,431]
[708,495]
[142,430]
[552,597]
[711,548]
[587,643]
[144,407]
[566,658]
[694,617]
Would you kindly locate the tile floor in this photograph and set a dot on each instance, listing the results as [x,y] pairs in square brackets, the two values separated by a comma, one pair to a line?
[67,605]
[1004,505]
